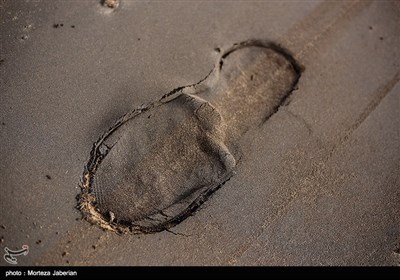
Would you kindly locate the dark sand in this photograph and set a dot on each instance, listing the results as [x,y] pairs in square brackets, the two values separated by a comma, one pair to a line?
[319,183]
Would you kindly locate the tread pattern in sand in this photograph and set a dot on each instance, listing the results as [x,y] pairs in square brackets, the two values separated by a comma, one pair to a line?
[154,168]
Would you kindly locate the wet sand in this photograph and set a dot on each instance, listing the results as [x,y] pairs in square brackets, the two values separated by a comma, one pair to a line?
[319,183]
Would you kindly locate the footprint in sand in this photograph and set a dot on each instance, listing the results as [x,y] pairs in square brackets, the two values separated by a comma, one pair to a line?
[159,163]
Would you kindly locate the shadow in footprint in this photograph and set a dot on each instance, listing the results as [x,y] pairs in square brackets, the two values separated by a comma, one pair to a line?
[157,164]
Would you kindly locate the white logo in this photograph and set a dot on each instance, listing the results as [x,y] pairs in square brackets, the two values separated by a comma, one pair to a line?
[10,255]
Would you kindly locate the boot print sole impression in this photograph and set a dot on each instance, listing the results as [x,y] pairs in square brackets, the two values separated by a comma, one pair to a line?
[157,164]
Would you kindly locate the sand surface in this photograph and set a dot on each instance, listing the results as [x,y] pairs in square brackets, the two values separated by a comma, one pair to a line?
[319,183]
